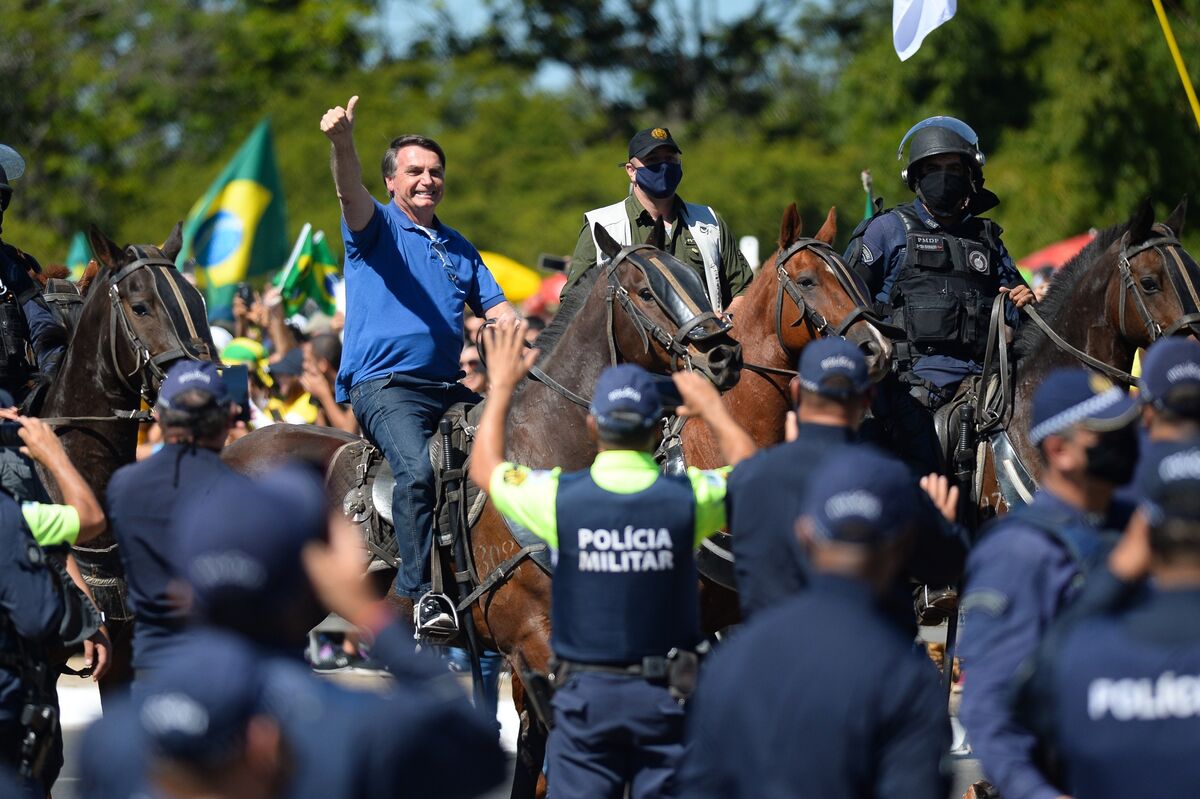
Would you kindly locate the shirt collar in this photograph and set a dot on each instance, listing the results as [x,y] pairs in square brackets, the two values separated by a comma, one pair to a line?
[643,218]
[927,218]
[406,221]
[846,589]
[825,432]
[625,460]
[1052,501]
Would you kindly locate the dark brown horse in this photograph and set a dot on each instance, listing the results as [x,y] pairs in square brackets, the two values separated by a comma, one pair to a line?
[1133,284]
[139,315]
[643,306]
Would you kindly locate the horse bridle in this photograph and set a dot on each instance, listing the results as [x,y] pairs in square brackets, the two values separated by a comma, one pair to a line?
[151,368]
[615,294]
[808,315]
[1168,247]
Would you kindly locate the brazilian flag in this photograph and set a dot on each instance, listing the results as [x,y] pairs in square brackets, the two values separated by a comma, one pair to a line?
[309,274]
[237,230]
[79,255]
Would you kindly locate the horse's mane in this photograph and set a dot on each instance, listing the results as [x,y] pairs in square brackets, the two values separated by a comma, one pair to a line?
[1062,288]
[50,272]
[548,339]
[89,274]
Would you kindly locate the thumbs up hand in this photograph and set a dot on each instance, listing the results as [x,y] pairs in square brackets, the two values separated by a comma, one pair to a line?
[338,123]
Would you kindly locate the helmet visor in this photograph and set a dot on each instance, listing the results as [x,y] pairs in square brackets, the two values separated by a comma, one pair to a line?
[12,164]
[962,129]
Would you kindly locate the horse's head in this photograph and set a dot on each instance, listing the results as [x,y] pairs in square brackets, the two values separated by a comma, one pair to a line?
[1158,290]
[659,315]
[826,298]
[146,313]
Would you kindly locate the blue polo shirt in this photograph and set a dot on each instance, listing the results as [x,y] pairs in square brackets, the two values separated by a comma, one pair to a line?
[406,288]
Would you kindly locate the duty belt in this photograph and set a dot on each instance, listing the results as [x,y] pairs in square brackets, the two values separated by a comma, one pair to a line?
[677,670]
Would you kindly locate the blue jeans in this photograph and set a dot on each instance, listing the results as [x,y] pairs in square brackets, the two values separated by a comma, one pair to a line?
[490,664]
[399,414]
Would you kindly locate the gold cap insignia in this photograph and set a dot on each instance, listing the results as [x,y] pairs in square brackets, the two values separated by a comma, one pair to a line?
[660,133]
[1099,383]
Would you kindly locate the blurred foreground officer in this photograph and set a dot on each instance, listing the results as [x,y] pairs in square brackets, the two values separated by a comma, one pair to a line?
[1031,563]
[1169,394]
[766,491]
[266,572]
[1114,696]
[625,606]
[828,674]
[194,413]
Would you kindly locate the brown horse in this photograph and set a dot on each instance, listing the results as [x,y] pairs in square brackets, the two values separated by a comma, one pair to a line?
[773,326]
[1133,284]
[643,306]
[139,314]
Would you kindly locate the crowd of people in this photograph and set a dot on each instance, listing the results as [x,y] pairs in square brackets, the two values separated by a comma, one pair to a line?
[1079,651]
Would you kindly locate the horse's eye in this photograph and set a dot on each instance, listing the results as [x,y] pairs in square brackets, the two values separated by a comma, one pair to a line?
[646,294]
[140,309]
[1149,283]
[807,283]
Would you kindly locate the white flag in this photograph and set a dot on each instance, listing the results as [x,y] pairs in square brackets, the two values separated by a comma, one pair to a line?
[912,21]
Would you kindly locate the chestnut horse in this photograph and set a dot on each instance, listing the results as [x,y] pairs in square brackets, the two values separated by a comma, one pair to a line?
[1134,283]
[644,307]
[139,315]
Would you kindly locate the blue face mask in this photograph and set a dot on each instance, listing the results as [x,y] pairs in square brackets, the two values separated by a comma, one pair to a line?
[660,180]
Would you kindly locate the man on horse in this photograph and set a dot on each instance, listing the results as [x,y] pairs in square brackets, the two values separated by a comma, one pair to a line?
[625,616]
[934,267]
[1031,563]
[696,234]
[408,279]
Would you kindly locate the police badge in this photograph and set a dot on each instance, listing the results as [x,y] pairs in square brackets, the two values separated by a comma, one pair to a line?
[978,260]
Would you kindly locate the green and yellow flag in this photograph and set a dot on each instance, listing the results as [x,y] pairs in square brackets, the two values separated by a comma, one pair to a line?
[309,274]
[237,230]
[79,255]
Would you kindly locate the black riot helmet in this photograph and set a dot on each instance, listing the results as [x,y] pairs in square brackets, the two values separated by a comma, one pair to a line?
[937,136]
[12,166]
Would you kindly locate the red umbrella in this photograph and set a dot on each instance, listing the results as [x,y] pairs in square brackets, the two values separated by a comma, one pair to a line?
[1056,254]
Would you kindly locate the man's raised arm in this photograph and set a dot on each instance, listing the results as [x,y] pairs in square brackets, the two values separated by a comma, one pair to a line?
[356,202]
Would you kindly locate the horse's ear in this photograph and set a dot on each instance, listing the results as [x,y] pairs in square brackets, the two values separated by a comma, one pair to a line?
[1141,221]
[108,253]
[828,230]
[174,243]
[658,237]
[789,227]
[607,244]
[1178,217]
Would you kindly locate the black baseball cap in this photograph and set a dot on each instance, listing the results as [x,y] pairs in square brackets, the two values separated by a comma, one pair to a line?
[646,141]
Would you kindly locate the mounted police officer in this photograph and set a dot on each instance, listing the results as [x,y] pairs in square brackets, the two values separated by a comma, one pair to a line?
[261,564]
[195,414]
[696,234]
[24,316]
[1031,563]
[829,674]
[1112,695]
[624,608]
[934,267]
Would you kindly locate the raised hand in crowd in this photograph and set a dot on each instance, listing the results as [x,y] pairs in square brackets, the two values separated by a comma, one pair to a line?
[943,494]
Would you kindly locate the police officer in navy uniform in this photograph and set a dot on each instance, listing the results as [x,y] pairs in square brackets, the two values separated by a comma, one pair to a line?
[1031,564]
[1113,696]
[195,413]
[934,267]
[825,695]
[832,394]
[263,563]
[38,611]
[1169,395]
[24,315]
[625,605]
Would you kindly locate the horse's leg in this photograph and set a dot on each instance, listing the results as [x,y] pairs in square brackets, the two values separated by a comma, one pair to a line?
[528,779]
[114,685]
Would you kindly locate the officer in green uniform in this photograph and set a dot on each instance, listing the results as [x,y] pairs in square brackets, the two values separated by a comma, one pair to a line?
[624,605]
[696,234]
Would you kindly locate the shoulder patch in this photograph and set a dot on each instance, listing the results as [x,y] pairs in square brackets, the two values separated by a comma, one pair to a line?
[978,260]
[514,477]
[986,600]
[35,554]
[867,256]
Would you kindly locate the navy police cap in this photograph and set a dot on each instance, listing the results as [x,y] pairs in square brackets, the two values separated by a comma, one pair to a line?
[1171,485]
[861,496]
[1075,396]
[626,399]
[1168,364]
[188,375]
[833,367]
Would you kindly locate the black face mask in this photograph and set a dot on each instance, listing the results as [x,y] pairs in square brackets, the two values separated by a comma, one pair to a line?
[1114,456]
[944,193]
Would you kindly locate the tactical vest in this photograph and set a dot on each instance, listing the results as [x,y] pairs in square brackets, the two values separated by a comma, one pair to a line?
[14,330]
[701,222]
[625,585]
[943,295]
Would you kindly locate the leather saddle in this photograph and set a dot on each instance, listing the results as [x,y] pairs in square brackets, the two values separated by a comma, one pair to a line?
[362,477]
